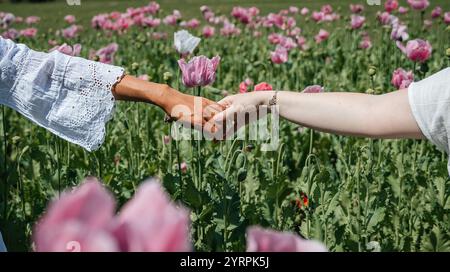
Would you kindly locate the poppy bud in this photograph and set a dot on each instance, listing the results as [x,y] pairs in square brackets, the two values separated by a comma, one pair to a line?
[372,71]
[240,160]
[242,174]
[135,66]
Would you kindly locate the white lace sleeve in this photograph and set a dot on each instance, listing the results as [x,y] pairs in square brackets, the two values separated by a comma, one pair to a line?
[69,96]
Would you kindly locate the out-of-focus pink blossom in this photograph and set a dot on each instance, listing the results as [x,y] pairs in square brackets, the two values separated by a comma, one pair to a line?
[417,50]
[294,32]
[192,24]
[199,71]
[7,20]
[280,55]
[183,167]
[78,221]
[208,31]
[68,50]
[166,139]
[229,29]
[274,19]
[151,22]
[304,11]
[365,43]
[205,8]
[144,77]
[11,34]
[52,42]
[326,9]
[149,222]
[399,33]
[32,20]
[436,13]
[159,35]
[71,31]
[241,14]
[29,32]
[384,18]
[419,4]
[248,81]
[357,8]
[447,18]
[170,20]
[403,10]
[390,5]
[357,21]
[313,89]
[70,19]
[152,8]
[293,9]
[322,36]
[105,54]
[263,86]
[317,16]
[84,220]
[243,87]
[275,38]
[261,240]
[427,23]
[401,79]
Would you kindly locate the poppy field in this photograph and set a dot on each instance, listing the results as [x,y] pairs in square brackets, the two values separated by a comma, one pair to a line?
[345,193]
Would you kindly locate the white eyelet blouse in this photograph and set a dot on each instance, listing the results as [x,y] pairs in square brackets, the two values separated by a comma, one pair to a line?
[69,96]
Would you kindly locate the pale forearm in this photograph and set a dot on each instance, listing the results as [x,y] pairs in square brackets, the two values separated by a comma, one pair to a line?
[376,116]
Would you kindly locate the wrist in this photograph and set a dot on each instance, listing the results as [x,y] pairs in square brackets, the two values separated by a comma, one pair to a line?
[264,97]
[168,97]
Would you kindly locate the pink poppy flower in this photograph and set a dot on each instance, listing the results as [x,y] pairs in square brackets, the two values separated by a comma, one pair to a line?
[68,50]
[208,31]
[436,13]
[356,8]
[71,32]
[29,32]
[419,4]
[293,9]
[105,54]
[357,21]
[390,5]
[263,86]
[85,220]
[313,89]
[384,18]
[326,9]
[401,79]
[304,11]
[322,36]
[70,19]
[280,55]
[365,43]
[199,71]
[32,20]
[447,18]
[11,34]
[261,240]
[403,10]
[417,50]
[183,167]
[243,87]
